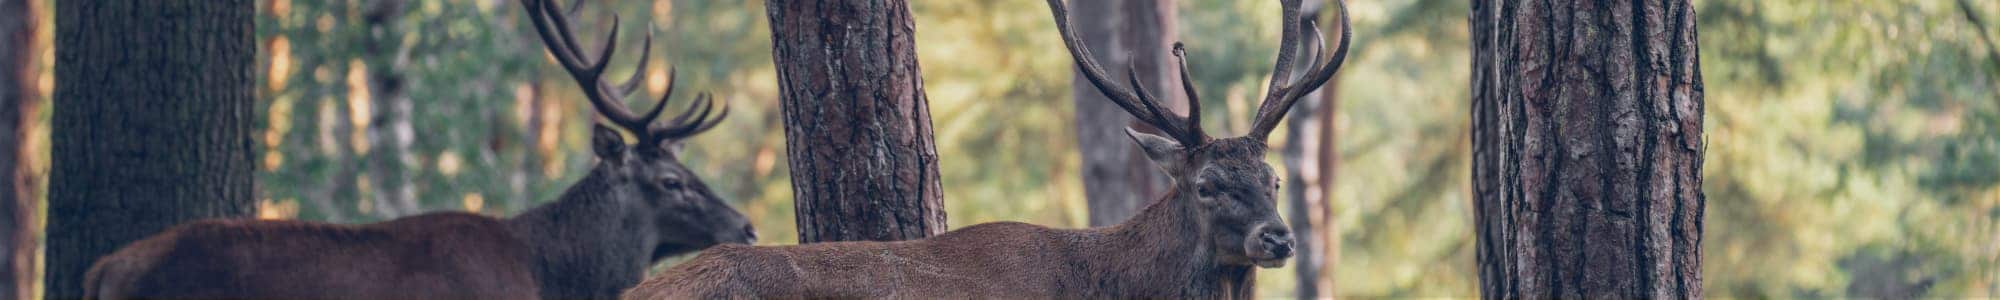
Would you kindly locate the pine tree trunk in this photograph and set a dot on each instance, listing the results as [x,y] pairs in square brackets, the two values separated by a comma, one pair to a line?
[1117,177]
[857,125]
[17,242]
[1587,126]
[152,124]
[1320,201]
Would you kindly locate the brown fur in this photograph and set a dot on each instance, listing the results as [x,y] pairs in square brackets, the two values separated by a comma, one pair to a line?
[432,256]
[637,206]
[1178,247]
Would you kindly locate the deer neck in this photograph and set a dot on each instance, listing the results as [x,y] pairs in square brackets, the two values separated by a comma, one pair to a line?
[1168,240]
[586,244]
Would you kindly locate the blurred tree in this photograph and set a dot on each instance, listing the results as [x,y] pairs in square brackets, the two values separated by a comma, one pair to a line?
[1126,34]
[1587,149]
[1309,161]
[17,94]
[155,113]
[390,135]
[857,125]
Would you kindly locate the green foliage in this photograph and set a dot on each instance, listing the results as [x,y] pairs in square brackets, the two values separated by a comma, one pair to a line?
[1853,149]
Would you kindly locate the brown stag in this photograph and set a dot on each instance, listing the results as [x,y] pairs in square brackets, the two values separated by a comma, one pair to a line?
[637,205]
[1203,240]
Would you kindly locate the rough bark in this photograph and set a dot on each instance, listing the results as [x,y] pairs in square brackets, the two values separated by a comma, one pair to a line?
[152,124]
[857,125]
[1587,149]
[17,93]
[1117,177]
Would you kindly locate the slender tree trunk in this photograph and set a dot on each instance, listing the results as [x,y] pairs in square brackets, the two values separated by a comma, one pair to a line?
[389,133]
[1300,133]
[152,124]
[1309,160]
[17,207]
[1117,177]
[1587,149]
[1320,205]
[857,125]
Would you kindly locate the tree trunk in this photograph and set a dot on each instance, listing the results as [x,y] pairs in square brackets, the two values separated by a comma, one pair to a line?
[1326,164]
[17,207]
[857,125]
[1117,177]
[1587,149]
[152,124]
[389,159]
[1310,159]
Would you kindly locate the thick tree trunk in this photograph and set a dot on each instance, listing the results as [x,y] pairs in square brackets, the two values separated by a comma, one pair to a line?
[1587,149]
[152,124]
[1117,177]
[17,207]
[857,126]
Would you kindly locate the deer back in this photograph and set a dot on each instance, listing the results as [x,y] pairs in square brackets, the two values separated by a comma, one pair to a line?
[433,256]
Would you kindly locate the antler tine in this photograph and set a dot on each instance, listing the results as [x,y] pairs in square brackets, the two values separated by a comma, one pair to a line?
[665,97]
[556,33]
[1281,71]
[557,42]
[713,121]
[1193,98]
[699,106]
[683,126]
[1147,101]
[1277,104]
[1138,104]
[603,58]
[562,32]
[645,53]
[576,8]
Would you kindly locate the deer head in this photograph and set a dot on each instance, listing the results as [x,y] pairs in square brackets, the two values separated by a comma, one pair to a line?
[647,173]
[1233,189]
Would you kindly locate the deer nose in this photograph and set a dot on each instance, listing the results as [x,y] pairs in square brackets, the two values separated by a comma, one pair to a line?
[1279,241]
[749,234]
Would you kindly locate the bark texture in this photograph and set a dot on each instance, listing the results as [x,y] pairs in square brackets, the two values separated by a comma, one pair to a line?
[1117,177]
[1587,149]
[857,125]
[17,94]
[152,124]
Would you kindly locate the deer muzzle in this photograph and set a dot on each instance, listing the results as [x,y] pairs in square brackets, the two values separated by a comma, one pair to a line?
[1269,245]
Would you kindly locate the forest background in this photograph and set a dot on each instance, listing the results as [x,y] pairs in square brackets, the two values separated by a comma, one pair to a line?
[1853,146]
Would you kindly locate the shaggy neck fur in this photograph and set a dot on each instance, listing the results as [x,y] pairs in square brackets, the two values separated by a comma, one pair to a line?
[587,244]
[1170,232]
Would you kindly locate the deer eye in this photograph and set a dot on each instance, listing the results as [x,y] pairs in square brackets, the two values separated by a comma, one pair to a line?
[1207,190]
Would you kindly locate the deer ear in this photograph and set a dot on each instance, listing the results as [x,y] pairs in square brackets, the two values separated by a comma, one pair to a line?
[1162,150]
[606,142]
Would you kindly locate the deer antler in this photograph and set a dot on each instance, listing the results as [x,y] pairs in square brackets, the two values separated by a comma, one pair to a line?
[1283,93]
[609,101]
[1279,98]
[1140,104]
